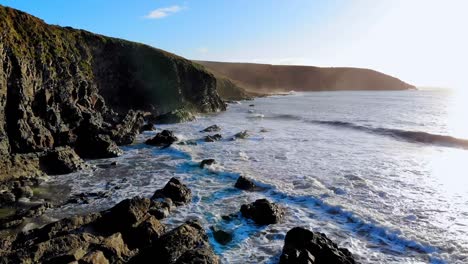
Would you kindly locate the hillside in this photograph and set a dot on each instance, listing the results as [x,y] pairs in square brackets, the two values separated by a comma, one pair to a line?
[265,78]
[62,87]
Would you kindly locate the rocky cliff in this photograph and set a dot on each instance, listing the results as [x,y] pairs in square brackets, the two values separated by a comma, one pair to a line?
[265,78]
[71,90]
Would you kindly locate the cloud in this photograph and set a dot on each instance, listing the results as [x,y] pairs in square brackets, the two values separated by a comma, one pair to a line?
[164,12]
[203,50]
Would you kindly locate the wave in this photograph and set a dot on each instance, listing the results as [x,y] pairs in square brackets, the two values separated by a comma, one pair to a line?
[412,136]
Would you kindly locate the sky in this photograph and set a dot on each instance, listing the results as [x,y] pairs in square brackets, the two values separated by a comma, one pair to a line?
[423,42]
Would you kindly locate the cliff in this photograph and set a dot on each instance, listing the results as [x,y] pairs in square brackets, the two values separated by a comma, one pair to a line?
[265,78]
[62,87]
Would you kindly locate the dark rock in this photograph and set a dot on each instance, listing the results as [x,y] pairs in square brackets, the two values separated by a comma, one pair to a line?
[213,138]
[179,193]
[213,128]
[114,248]
[125,131]
[94,257]
[262,212]
[199,255]
[246,184]
[114,163]
[97,146]
[23,192]
[241,135]
[61,160]
[161,208]
[147,127]
[20,215]
[146,233]
[221,236]
[304,246]
[84,198]
[251,105]
[163,138]
[175,116]
[207,162]
[177,242]
[7,198]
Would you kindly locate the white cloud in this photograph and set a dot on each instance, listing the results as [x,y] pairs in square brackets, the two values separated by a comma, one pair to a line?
[203,50]
[164,12]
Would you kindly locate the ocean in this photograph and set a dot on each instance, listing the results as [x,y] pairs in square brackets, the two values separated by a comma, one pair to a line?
[383,174]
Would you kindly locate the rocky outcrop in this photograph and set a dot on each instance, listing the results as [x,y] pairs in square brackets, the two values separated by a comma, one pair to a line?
[64,87]
[163,138]
[213,128]
[178,192]
[304,246]
[246,184]
[266,78]
[207,162]
[262,212]
[213,138]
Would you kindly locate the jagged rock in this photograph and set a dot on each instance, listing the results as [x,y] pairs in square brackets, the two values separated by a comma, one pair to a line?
[94,257]
[179,193]
[146,233]
[61,160]
[19,216]
[23,192]
[213,138]
[221,236]
[114,248]
[126,130]
[147,127]
[213,128]
[202,254]
[161,208]
[84,198]
[207,162]
[177,242]
[7,198]
[262,212]
[246,184]
[241,135]
[163,138]
[304,246]
[175,116]
[251,105]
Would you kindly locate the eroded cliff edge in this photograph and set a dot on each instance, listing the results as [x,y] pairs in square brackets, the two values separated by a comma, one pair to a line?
[64,90]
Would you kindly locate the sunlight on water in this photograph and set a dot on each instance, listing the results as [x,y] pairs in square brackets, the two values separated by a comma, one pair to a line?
[457,114]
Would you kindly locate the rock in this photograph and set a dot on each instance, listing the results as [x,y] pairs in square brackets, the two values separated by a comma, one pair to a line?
[146,233]
[97,146]
[163,138]
[125,131]
[19,216]
[61,160]
[94,257]
[114,163]
[179,193]
[147,127]
[213,138]
[304,246]
[251,105]
[262,212]
[264,130]
[221,236]
[213,128]
[203,255]
[246,184]
[23,192]
[241,135]
[207,162]
[175,116]
[161,208]
[177,242]
[7,198]
[84,198]
[114,248]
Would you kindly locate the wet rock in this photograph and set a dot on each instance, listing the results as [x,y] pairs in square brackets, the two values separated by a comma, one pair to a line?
[175,116]
[161,208]
[304,246]
[23,192]
[125,131]
[61,160]
[264,130]
[163,138]
[147,127]
[20,215]
[85,198]
[179,193]
[251,105]
[213,128]
[262,212]
[213,138]
[203,255]
[221,236]
[207,162]
[7,198]
[241,135]
[114,248]
[146,233]
[97,146]
[114,163]
[94,257]
[245,183]
[177,242]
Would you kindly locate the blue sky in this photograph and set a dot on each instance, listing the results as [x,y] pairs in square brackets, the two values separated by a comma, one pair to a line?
[420,41]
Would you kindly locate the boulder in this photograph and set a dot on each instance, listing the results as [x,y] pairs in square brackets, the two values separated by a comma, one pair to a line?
[213,138]
[199,255]
[262,212]
[176,191]
[23,192]
[175,116]
[221,236]
[147,127]
[61,160]
[304,246]
[245,184]
[94,257]
[145,234]
[241,135]
[163,138]
[7,198]
[207,162]
[125,130]
[213,128]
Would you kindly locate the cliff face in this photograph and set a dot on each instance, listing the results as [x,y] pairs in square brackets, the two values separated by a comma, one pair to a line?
[278,78]
[66,87]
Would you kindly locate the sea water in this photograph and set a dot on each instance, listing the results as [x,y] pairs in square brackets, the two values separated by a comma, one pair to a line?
[383,174]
